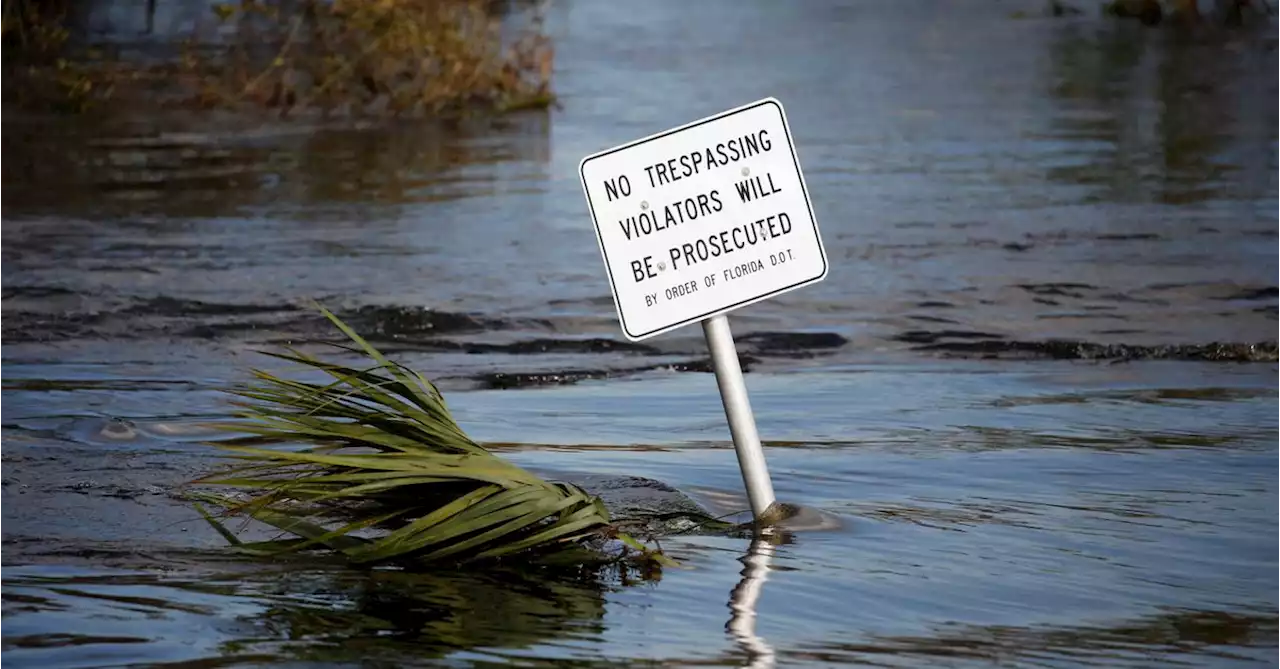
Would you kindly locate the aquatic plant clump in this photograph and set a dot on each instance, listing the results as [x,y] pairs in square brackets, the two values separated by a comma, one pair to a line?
[402,56]
[343,57]
[387,475]
[38,66]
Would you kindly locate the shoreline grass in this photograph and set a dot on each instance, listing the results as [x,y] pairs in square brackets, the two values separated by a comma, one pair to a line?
[345,58]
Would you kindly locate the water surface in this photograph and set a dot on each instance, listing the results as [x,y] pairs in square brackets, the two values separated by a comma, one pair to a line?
[1037,389]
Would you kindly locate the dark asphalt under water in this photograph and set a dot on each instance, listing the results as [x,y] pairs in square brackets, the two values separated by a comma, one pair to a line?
[1038,388]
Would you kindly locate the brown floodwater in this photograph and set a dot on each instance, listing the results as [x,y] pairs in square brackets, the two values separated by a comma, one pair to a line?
[1037,391]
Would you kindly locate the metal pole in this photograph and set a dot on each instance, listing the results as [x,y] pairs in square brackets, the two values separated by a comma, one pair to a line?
[737,408]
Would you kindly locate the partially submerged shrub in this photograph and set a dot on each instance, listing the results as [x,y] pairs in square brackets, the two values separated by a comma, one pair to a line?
[1153,12]
[380,57]
[34,29]
[399,56]
[36,64]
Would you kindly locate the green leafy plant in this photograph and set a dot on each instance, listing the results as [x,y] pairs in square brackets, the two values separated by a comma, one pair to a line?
[386,475]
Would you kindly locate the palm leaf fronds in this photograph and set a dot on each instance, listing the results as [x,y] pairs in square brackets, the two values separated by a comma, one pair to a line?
[387,475]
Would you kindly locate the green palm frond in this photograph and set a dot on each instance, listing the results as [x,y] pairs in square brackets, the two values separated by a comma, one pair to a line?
[387,474]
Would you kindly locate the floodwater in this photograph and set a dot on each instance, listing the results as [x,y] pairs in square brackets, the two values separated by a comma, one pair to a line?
[1038,389]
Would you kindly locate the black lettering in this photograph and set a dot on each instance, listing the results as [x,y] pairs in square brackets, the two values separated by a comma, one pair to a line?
[701,247]
[734,235]
[690,208]
[704,209]
[626,225]
[675,256]
[785,222]
[744,190]
[671,220]
[715,197]
[743,269]
[613,186]
[644,219]
[688,254]
[682,289]
[724,241]
[695,162]
[662,173]
[772,188]
[638,270]
[772,232]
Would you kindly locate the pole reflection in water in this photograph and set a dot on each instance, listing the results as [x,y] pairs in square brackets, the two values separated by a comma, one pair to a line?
[742,604]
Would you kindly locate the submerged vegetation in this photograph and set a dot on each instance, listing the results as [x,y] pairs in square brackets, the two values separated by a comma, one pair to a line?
[1152,12]
[1180,12]
[344,57]
[387,476]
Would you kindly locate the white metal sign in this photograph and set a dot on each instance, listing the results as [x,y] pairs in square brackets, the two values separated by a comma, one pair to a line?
[703,219]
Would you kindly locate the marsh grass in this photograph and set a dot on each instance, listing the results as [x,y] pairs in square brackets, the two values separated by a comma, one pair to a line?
[356,56]
[331,57]
[38,66]
[386,475]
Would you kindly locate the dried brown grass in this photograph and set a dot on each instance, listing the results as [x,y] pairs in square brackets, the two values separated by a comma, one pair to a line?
[397,56]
